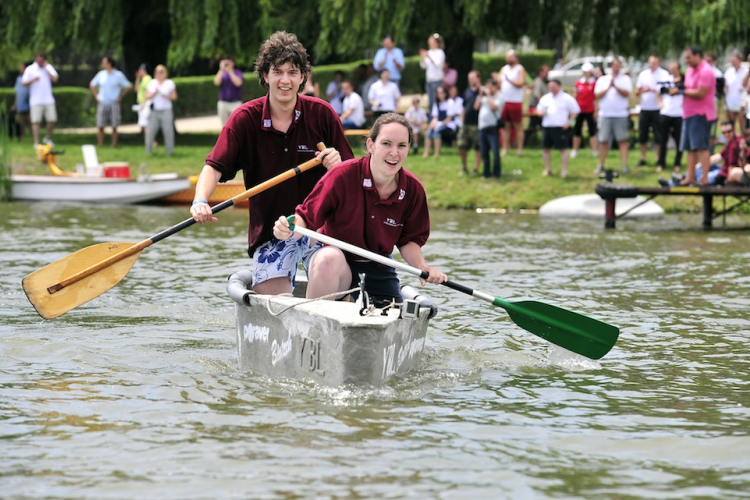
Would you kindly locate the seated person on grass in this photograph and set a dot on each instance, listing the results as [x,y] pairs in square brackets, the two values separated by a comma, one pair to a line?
[373,203]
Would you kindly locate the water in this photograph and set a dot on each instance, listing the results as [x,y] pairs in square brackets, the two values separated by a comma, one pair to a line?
[138,394]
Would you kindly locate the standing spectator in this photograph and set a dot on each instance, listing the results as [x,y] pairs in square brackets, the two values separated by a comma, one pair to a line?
[334,94]
[612,91]
[647,87]
[441,117]
[266,137]
[108,87]
[456,108]
[512,80]
[39,77]
[538,89]
[468,135]
[733,88]
[450,76]
[584,91]
[142,79]
[418,119]
[229,80]
[490,106]
[21,105]
[432,62]
[391,58]
[670,118]
[383,95]
[558,109]
[354,108]
[698,112]
[312,89]
[163,92]
[598,72]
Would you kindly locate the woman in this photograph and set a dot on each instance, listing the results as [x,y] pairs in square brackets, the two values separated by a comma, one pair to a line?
[162,92]
[142,79]
[432,62]
[370,202]
[383,95]
[670,117]
[442,116]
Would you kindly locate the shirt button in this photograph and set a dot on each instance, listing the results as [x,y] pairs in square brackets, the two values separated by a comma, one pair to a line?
[286,149]
[372,216]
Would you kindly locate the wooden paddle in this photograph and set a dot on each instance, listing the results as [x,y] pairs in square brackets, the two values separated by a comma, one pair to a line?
[578,333]
[81,276]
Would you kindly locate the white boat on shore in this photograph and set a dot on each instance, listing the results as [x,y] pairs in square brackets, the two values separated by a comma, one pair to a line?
[329,342]
[91,189]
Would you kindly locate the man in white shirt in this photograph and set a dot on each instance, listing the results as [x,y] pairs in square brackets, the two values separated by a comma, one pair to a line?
[391,58]
[512,80]
[612,92]
[557,110]
[354,107]
[647,86]
[40,76]
[733,88]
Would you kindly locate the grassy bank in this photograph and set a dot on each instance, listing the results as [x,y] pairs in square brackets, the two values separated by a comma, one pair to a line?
[522,185]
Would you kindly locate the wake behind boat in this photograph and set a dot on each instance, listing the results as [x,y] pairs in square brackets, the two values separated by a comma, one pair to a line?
[330,342]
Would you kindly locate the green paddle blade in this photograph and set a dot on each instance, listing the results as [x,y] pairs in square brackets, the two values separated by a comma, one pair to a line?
[573,331]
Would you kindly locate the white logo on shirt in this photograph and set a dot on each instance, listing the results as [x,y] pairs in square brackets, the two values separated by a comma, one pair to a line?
[367,183]
[297,114]
[401,195]
[267,123]
[391,222]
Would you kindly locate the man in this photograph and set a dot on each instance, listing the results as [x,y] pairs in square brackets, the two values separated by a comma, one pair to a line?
[538,89]
[612,92]
[354,108]
[732,156]
[489,103]
[698,111]
[647,87]
[229,80]
[557,110]
[584,89]
[268,136]
[391,58]
[21,104]
[733,88]
[108,87]
[512,80]
[468,135]
[39,77]
[334,94]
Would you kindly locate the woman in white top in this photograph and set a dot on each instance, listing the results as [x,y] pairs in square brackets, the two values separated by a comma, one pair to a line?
[670,117]
[161,91]
[383,94]
[432,62]
[733,88]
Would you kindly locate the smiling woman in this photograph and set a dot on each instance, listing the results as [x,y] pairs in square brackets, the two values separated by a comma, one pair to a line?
[374,193]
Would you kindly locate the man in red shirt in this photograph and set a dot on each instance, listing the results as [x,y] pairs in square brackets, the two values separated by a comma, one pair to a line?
[584,90]
[263,138]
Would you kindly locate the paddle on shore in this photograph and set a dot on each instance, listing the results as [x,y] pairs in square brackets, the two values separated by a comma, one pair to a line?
[571,330]
[81,276]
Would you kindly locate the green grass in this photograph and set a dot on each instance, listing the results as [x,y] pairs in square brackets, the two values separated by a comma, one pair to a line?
[445,188]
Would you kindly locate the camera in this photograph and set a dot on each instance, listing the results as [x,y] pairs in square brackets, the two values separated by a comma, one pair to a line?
[665,86]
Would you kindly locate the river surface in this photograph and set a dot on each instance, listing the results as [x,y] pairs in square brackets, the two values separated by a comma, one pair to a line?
[138,394]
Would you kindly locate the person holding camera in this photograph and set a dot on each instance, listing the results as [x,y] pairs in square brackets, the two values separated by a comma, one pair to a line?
[229,80]
[647,88]
[670,116]
[698,113]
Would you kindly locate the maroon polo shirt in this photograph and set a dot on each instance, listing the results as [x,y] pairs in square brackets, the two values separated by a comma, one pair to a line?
[249,143]
[731,156]
[345,205]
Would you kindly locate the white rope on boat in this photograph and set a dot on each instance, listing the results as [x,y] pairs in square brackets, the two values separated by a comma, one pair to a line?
[307,301]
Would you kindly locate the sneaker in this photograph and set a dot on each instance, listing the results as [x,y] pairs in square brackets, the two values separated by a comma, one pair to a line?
[594,153]
[642,163]
[599,169]
[625,169]
[664,182]
[574,153]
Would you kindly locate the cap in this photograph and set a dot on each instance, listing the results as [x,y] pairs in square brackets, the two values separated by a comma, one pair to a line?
[587,67]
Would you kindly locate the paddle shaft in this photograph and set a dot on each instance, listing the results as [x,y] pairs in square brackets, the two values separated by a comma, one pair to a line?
[292,172]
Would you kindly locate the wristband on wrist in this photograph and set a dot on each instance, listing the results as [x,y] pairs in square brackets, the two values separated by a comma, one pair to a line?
[195,202]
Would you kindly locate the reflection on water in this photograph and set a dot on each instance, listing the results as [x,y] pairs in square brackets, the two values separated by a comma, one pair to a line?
[137,394]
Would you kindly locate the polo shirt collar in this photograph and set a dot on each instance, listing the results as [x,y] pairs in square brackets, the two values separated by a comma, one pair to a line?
[368,184]
[266,123]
